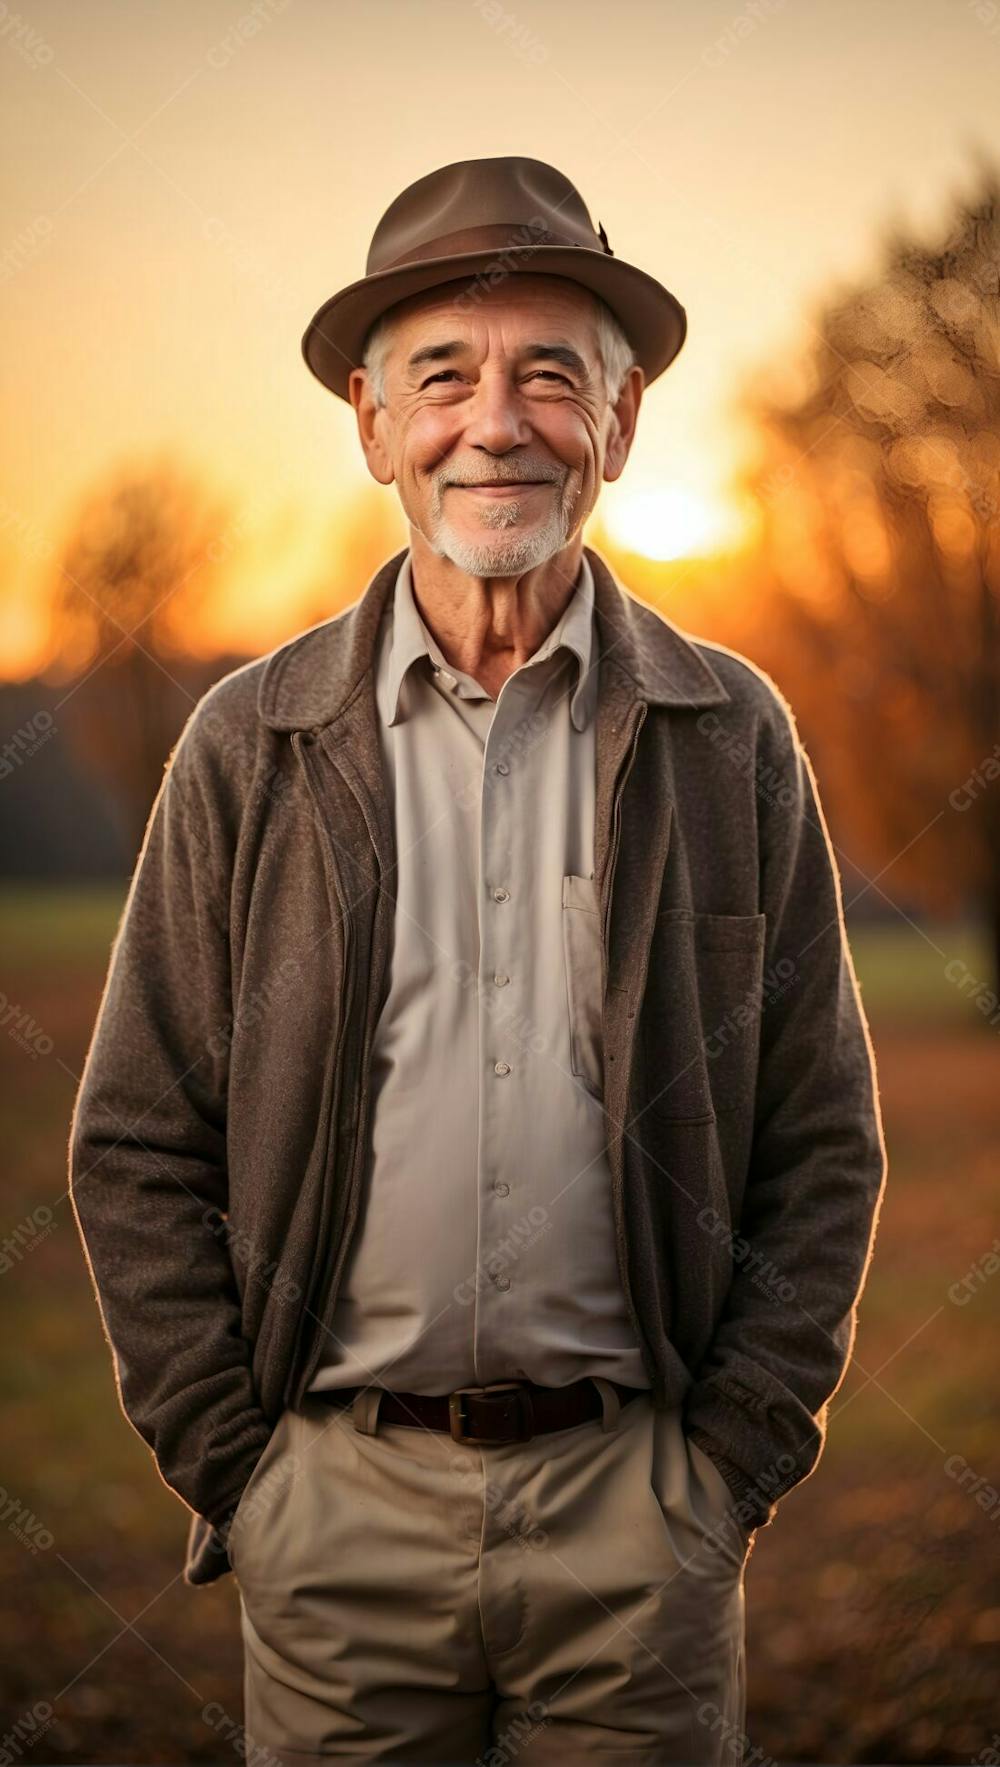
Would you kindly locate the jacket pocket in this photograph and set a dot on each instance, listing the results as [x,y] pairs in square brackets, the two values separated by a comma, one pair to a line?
[581,923]
[701,1014]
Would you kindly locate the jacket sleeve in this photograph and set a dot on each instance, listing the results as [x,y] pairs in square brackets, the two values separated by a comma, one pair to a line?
[147,1157]
[818,1164]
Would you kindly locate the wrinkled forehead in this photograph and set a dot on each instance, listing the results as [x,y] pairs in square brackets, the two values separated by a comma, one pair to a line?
[518,302]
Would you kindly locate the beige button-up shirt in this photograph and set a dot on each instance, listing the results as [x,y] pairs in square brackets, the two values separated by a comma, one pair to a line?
[486,1247]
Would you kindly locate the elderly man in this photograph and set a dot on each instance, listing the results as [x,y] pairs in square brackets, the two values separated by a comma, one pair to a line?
[478,1154]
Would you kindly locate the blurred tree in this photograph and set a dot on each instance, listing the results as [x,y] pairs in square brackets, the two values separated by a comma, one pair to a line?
[877,483]
[139,561]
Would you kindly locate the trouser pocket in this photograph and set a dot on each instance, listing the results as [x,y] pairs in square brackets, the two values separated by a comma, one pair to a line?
[728,1528]
[265,1490]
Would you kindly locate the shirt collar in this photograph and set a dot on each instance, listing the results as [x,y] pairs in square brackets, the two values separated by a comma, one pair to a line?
[411,639]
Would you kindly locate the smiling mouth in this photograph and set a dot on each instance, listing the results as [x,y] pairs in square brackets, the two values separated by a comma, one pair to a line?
[504,485]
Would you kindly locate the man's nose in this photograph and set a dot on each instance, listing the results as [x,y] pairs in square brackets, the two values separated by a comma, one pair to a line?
[496,417]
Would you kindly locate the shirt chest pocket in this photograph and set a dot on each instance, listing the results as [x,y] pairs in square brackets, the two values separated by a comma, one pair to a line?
[581,926]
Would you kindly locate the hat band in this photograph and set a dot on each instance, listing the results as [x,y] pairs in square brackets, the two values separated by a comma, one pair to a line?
[522,238]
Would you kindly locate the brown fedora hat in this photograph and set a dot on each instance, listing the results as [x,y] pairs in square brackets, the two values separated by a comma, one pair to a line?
[478,220]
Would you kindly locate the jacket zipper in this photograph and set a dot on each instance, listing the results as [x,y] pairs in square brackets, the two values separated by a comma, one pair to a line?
[616,828]
[335,1266]
[320,1250]
[616,822]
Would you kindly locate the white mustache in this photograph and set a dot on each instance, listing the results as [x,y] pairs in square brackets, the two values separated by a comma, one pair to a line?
[542,478]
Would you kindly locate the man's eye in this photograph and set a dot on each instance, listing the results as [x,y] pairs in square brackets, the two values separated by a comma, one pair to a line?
[542,373]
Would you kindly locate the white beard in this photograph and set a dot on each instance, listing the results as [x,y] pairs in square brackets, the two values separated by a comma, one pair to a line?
[509,554]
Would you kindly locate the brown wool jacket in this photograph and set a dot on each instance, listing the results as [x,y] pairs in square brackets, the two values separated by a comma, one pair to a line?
[216,1145]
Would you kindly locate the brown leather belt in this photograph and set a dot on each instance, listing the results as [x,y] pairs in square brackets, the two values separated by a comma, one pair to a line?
[504,1411]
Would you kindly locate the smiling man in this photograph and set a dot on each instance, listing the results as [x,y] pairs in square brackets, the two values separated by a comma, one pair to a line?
[479,1153]
[496,421]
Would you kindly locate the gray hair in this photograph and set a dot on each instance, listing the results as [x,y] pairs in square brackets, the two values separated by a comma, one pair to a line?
[616,353]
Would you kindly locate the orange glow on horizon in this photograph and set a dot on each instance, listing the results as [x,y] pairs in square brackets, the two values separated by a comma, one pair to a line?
[186,196]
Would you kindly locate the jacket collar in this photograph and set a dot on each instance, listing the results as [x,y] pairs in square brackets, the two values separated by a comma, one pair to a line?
[309,681]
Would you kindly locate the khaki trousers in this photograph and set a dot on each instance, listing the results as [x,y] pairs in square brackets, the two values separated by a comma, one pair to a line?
[405,1597]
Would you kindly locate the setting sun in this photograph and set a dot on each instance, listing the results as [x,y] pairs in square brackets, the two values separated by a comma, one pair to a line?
[670,521]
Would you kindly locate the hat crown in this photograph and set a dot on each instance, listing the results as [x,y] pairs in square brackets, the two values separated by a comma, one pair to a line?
[475,222]
[453,207]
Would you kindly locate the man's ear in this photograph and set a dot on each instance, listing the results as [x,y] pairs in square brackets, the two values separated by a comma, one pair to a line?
[371,419]
[623,423]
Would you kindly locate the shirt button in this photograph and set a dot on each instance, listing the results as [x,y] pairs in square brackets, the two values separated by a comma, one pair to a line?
[501,1187]
[500,894]
[501,981]
[501,1067]
[502,1281]
[502,767]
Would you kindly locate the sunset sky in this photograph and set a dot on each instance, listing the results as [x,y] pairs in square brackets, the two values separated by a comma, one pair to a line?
[184,184]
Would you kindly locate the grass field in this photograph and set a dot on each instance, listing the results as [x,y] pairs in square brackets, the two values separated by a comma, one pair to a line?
[874,1598]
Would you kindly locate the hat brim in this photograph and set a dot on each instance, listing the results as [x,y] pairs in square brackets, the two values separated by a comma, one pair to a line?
[653,320]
